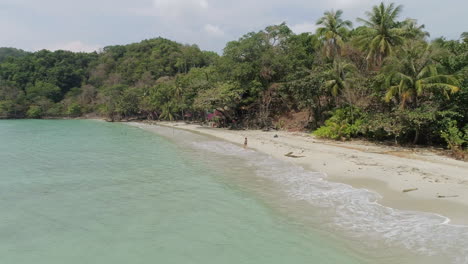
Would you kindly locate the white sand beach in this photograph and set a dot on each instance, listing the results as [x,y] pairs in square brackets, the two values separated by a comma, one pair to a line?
[409,179]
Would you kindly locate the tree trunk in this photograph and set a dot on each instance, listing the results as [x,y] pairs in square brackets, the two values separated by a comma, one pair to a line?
[416,137]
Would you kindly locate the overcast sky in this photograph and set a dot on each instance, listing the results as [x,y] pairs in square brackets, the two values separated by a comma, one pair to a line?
[86,25]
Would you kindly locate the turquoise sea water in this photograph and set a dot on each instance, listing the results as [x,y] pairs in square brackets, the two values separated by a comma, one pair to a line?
[84,191]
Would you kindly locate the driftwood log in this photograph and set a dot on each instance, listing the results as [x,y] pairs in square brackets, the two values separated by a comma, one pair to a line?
[447,196]
[410,190]
[291,155]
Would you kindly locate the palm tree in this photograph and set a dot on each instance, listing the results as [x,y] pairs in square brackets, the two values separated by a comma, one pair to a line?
[414,31]
[332,31]
[177,93]
[166,112]
[340,76]
[464,37]
[381,32]
[414,72]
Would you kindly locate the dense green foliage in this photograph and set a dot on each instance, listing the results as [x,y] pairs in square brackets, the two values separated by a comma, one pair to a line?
[344,123]
[382,80]
[11,52]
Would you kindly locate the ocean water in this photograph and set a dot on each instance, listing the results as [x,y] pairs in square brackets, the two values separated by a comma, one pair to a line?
[83,191]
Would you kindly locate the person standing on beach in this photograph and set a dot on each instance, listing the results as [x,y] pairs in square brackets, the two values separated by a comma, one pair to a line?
[245,143]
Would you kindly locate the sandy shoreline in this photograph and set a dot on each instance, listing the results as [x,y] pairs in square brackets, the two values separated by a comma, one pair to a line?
[441,182]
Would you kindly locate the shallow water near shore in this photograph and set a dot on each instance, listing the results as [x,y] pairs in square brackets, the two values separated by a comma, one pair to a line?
[83,191]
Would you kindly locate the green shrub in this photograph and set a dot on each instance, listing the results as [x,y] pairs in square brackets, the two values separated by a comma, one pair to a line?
[34,111]
[74,110]
[56,110]
[454,137]
[418,125]
[345,123]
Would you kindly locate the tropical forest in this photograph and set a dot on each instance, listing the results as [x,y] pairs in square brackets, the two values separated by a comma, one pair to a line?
[380,77]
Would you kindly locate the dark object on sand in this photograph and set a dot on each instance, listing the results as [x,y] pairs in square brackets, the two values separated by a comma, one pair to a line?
[291,155]
[445,196]
[245,143]
[275,136]
[410,190]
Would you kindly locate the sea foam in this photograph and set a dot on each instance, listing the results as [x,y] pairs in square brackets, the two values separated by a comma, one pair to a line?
[353,212]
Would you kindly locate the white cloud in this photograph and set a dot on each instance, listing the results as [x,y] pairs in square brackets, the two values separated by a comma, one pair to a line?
[75,46]
[214,30]
[174,8]
[341,4]
[303,27]
[30,24]
[171,9]
[203,3]
[180,3]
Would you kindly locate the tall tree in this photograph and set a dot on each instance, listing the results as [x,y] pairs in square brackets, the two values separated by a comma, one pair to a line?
[414,72]
[414,31]
[464,37]
[339,77]
[380,33]
[332,31]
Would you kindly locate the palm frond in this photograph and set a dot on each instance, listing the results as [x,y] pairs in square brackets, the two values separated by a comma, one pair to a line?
[448,79]
[395,11]
[391,92]
[443,86]
[365,22]
[419,87]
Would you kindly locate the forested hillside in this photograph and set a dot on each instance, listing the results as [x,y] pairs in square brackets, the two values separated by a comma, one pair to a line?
[384,79]
[11,52]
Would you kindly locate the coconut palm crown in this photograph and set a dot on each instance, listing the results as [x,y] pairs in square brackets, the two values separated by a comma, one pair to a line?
[333,30]
[415,73]
[381,32]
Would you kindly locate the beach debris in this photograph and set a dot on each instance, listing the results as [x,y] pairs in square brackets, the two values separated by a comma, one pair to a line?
[275,136]
[291,155]
[447,196]
[410,190]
